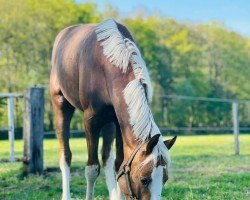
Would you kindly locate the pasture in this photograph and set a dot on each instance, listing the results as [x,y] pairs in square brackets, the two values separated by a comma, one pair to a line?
[203,167]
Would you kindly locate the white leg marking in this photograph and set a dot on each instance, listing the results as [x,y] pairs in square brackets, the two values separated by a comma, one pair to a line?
[91,174]
[157,183]
[110,176]
[65,178]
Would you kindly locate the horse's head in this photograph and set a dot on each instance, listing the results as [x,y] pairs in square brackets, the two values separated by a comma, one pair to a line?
[146,171]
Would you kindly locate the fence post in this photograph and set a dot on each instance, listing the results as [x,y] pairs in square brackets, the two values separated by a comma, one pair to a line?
[11,127]
[164,111]
[33,130]
[235,126]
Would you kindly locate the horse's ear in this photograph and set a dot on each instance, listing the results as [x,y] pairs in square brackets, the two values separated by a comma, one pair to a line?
[152,143]
[170,143]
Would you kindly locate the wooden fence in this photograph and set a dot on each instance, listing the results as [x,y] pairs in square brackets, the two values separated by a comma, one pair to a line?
[33,126]
[11,120]
[33,130]
[235,116]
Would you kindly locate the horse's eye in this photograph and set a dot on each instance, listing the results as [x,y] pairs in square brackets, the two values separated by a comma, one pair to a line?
[146,181]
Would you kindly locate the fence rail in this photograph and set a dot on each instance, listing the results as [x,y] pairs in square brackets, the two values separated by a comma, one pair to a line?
[10,95]
[11,120]
[205,99]
[5,128]
[235,118]
[216,129]
[235,121]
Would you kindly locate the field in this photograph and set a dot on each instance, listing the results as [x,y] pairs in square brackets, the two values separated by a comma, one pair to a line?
[203,167]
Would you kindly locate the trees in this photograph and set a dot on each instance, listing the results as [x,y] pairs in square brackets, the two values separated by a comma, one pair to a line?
[27,31]
[193,60]
[183,59]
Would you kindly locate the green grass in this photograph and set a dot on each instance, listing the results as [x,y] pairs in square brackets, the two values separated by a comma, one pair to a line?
[203,167]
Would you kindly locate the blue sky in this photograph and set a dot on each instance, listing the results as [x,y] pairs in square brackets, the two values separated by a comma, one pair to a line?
[234,14]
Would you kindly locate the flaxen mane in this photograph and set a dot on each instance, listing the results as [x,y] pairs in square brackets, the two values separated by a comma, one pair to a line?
[121,52]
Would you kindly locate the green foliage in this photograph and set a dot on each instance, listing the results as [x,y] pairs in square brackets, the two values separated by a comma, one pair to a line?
[203,167]
[190,60]
[27,32]
[183,59]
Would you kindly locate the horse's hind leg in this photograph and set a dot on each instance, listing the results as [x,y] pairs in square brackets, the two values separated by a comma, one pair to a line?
[108,132]
[63,113]
[92,170]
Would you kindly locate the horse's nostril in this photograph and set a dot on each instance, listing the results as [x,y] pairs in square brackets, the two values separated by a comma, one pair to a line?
[146,181]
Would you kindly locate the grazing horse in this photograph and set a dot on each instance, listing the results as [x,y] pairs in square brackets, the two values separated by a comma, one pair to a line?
[98,69]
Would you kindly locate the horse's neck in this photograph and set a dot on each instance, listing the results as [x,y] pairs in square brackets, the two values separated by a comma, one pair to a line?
[128,138]
[116,82]
[121,110]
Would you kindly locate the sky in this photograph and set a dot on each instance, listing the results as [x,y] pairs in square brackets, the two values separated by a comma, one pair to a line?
[233,14]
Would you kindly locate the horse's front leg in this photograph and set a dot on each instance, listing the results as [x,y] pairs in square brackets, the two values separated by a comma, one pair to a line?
[63,114]
[92,170]
[119,159]
[108,133]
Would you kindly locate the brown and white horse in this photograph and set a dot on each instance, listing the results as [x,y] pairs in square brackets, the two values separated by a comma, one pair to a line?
[98,69]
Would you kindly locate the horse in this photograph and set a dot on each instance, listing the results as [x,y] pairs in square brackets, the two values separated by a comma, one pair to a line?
[98,69]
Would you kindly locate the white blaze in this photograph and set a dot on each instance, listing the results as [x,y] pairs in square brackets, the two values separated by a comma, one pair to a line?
[156,185]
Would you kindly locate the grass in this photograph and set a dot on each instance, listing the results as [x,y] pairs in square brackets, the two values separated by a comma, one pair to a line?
[203,167]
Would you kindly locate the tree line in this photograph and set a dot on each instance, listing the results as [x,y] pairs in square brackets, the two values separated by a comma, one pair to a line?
[188,59]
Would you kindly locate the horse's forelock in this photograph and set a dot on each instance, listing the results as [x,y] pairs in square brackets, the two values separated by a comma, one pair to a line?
[159,150]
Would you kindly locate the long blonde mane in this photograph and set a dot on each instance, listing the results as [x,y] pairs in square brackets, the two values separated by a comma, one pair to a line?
[121,52]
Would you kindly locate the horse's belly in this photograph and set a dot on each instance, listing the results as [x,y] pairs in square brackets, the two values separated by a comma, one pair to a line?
[71,92]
